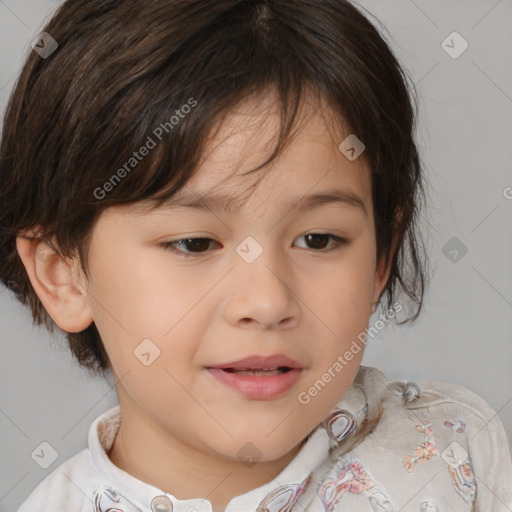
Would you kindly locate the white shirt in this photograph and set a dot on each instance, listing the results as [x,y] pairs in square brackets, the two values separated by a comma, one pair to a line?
[386,447]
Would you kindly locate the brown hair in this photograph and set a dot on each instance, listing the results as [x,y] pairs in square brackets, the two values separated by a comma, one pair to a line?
[123,69]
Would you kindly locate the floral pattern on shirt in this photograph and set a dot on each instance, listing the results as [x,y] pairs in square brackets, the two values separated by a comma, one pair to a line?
[283,498]
[425,451]
[354,479]
[461,471]
[455,456]
[456,425]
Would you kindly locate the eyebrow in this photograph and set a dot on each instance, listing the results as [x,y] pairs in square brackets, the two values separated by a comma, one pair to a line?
[224,202]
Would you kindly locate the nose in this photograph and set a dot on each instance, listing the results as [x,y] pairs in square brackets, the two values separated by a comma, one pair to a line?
[260,294]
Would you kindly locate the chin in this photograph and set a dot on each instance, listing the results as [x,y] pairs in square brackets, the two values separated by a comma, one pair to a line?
[257,450]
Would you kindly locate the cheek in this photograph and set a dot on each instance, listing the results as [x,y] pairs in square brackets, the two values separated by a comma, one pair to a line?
[164,395]
[343,291]
[140,290]
[343,307]
[137,298]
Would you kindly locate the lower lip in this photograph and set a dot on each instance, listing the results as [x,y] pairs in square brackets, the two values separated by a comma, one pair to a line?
[258,387]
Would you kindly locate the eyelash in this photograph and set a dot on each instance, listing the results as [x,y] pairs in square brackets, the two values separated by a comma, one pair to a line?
[169,246]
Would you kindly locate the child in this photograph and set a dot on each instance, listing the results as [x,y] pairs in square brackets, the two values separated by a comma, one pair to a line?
[138,129]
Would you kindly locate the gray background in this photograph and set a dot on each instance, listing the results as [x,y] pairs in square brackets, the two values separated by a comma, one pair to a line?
[464,335]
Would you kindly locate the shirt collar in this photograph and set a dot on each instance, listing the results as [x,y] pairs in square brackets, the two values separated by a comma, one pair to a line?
[121,492]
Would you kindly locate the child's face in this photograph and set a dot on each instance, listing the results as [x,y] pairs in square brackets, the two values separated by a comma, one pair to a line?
[218,306]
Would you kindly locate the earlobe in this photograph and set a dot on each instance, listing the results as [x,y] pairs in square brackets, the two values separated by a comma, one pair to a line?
[55,284]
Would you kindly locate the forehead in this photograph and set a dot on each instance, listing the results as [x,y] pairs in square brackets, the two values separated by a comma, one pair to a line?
[310,162]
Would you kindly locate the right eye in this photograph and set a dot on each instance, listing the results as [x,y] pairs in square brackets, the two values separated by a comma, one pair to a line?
[197,246]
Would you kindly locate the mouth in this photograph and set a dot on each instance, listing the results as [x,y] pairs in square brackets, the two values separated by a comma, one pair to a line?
[258,371]
[258,377]
[265,364]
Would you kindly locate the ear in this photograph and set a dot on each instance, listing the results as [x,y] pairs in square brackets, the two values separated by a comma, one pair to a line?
[380,280]
[382,274]
[56,283]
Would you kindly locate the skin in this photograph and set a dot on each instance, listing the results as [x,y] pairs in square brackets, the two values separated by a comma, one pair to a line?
[181,429]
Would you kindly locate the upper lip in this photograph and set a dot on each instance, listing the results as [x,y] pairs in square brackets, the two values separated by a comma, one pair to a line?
[258,362]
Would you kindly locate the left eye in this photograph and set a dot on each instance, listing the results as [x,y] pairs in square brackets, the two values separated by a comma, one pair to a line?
[200,245]
[317,239]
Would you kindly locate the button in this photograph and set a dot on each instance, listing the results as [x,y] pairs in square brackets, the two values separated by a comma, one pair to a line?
[411,393]
[161,504]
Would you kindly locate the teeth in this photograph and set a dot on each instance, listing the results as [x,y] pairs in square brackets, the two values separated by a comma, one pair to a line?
[257,372]
[263,371]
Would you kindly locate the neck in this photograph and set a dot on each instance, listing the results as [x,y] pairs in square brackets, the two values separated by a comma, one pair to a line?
[145,451]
